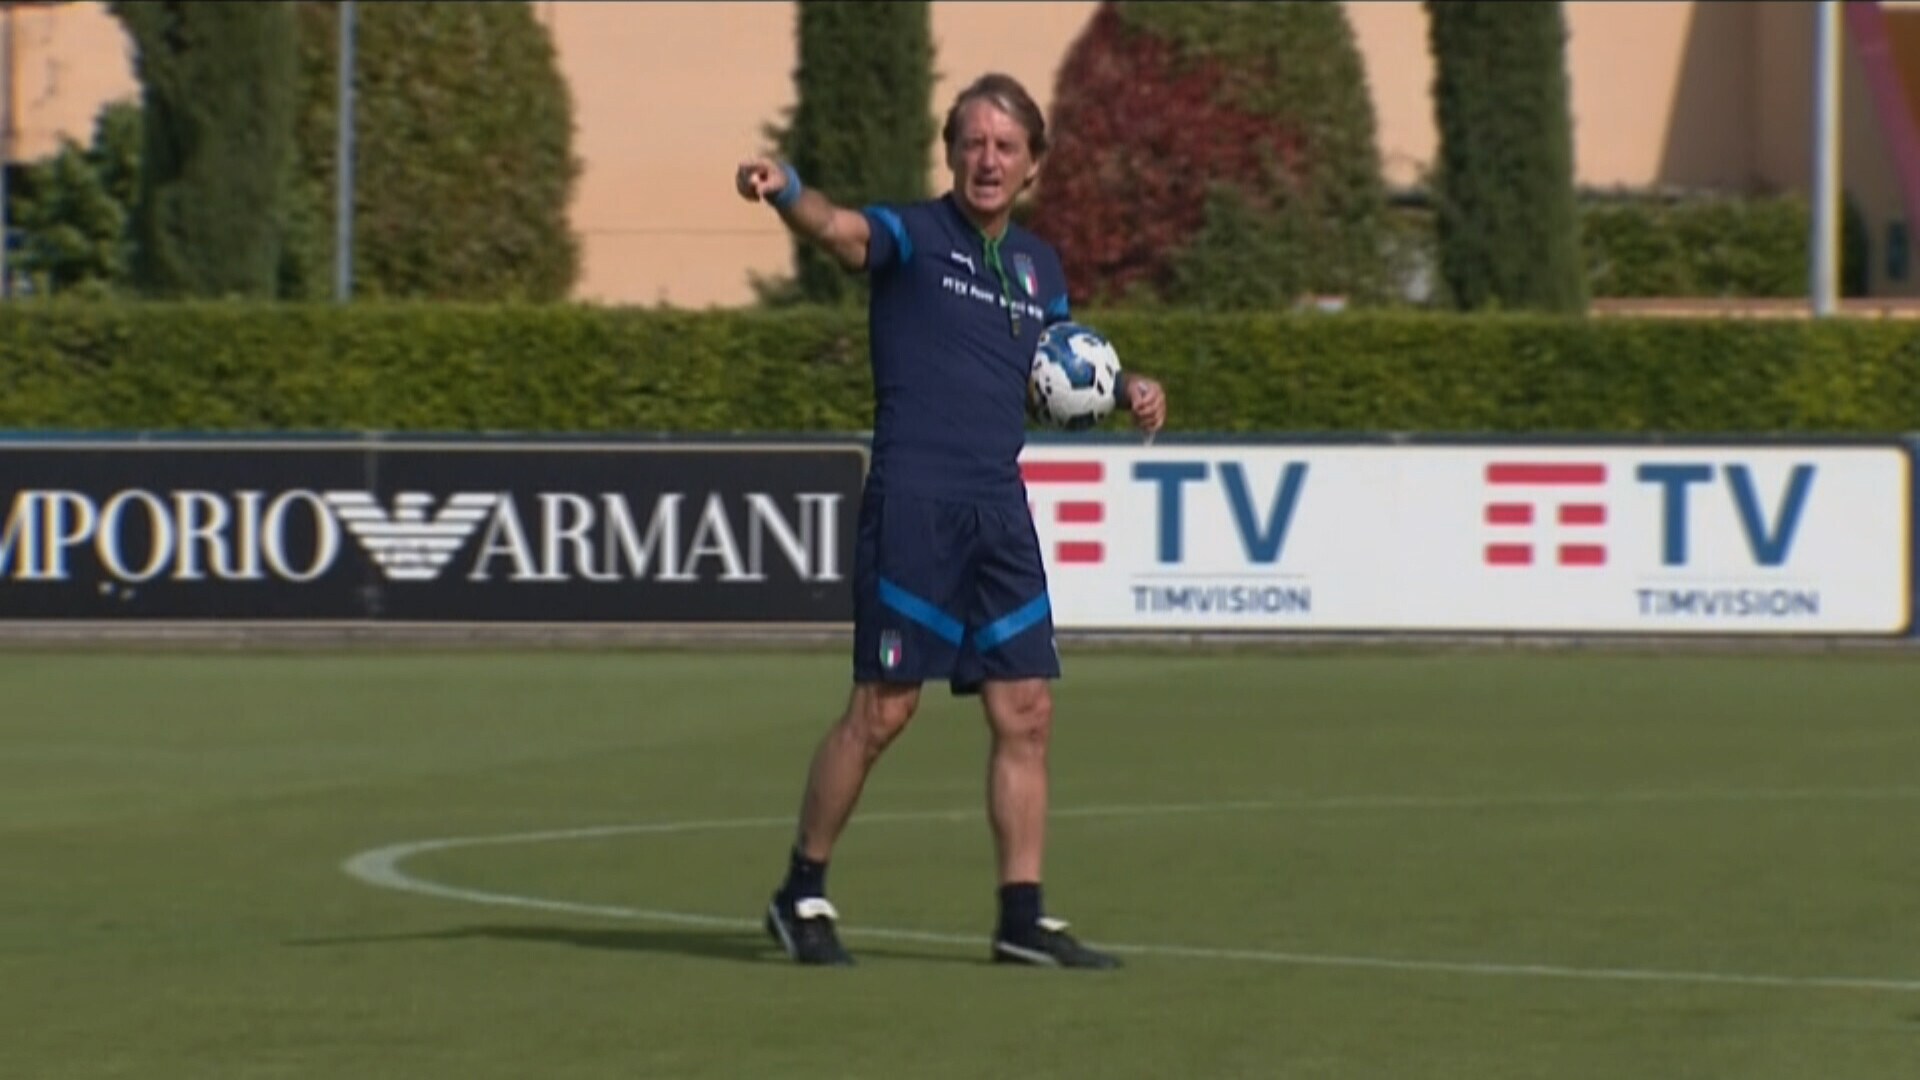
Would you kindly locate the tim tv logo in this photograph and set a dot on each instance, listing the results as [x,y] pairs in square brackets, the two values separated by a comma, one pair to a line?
[1077,508]
[1184,501]
[1566,501]
[1525,495]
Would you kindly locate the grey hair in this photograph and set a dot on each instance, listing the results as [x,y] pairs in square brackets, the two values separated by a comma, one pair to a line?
[1007,95]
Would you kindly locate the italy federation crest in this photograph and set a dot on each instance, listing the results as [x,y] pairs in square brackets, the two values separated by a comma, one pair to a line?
[889,649]
[1023,269]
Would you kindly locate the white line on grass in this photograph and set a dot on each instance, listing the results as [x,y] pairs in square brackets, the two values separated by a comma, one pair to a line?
[381,867]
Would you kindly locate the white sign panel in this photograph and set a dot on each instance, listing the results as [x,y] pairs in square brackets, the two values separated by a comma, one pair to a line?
[1643,539]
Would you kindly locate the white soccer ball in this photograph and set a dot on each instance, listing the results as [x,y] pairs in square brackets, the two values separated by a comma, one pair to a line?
[1071,384]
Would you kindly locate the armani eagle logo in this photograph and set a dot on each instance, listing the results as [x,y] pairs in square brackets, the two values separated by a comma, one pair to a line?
[407,545]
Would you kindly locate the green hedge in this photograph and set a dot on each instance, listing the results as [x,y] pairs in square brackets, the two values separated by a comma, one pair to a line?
[254,368]
[1710,246]
[1646,244]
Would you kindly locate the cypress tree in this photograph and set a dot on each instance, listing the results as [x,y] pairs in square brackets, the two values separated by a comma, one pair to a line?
[463,164]
[1507,225]
[218,90]
[863,124]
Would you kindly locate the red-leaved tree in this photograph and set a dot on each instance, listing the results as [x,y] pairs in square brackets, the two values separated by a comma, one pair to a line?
[1189,165]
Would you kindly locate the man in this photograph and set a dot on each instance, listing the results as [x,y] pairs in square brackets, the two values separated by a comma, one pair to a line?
[948,579]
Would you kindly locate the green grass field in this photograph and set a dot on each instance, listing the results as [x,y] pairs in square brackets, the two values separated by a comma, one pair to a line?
[1369,863]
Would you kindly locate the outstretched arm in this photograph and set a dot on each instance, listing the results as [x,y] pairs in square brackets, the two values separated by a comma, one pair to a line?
[842,233]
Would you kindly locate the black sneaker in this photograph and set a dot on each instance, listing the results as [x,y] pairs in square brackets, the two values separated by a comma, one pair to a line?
[804,929]
[1047,944]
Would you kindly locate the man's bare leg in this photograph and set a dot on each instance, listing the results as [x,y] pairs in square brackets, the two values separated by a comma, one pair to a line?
[1020,713]
[799,916]
[876,715]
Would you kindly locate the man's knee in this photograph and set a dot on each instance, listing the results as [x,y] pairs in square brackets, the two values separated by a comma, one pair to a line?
[1020,710]
[877,713]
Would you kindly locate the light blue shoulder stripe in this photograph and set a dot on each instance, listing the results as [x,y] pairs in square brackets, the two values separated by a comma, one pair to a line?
[1058,310]
[890,221]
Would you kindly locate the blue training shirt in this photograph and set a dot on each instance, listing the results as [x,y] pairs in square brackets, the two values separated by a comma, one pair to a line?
[953,333]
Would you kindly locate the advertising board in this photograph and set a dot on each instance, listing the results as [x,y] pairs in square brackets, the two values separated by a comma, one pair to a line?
[464,531]
[1640,538]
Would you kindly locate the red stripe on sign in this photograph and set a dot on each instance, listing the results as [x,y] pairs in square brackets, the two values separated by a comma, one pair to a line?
[1080,551]
[1509,514]
[1538,473]
[1079,513]
[1061,472]
[1509,554]
[1583,514]
[1582,555]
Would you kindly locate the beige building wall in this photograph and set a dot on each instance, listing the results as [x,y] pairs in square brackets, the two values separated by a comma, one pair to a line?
[669,95]
[65,61]
[1679,94]
[1628,65]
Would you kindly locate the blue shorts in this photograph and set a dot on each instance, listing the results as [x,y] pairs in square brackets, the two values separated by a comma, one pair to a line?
[949,590]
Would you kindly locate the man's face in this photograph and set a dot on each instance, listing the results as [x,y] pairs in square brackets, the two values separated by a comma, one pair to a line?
[989,159]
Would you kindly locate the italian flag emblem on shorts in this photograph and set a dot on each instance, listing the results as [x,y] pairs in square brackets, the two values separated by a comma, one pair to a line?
[889,648]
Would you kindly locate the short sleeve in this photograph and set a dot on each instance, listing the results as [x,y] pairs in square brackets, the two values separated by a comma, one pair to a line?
[887,241]
[1058,307]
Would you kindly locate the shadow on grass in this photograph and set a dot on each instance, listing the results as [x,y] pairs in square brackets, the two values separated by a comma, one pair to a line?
[741,946]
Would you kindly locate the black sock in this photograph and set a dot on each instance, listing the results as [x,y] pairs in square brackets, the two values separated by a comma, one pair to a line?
[805,878]
[1019,908]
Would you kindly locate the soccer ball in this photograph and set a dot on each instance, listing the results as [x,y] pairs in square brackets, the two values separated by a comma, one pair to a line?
[1071,383]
